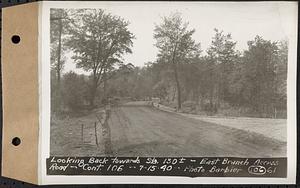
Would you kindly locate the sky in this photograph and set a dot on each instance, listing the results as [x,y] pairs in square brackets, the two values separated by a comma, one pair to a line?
[273,21]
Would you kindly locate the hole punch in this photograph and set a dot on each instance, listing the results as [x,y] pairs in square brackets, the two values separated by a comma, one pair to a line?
[15,39]
[16,141]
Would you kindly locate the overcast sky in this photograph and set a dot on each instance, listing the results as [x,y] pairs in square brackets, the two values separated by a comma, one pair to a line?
[244,21]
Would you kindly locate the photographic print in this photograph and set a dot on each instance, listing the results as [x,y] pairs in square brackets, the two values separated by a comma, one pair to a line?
[171,88]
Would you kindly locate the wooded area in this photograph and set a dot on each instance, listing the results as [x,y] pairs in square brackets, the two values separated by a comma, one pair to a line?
[219,80]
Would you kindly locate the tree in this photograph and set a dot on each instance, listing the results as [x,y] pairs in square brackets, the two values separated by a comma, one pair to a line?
[175,44]
[198,80]
[223,56]
[99,40]
[281,77]
[122,81]
[58,28]
[260,74]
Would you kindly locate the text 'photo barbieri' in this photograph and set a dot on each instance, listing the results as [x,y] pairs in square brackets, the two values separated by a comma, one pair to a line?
[168,81]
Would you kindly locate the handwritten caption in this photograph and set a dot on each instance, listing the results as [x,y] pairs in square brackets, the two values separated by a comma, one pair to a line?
[168,166]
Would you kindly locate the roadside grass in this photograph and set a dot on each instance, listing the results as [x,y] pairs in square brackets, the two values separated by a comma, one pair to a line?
[269,127]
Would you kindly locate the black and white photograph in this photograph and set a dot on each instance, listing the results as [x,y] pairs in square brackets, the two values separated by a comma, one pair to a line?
[170,79]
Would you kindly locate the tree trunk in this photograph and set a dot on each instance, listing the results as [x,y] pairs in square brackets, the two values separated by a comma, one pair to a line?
[93,91]
[58,68]
[178,87]
[211,96]
[211,91]
[176,78]
[104,87]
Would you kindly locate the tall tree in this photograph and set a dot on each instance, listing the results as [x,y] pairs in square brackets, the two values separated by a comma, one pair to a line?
[175,44]
[223,55]
[281,77]
[98,40]
[260,72]
[58,26]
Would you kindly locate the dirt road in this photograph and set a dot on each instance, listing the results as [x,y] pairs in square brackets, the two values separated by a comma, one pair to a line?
[145,131]
[141,130]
